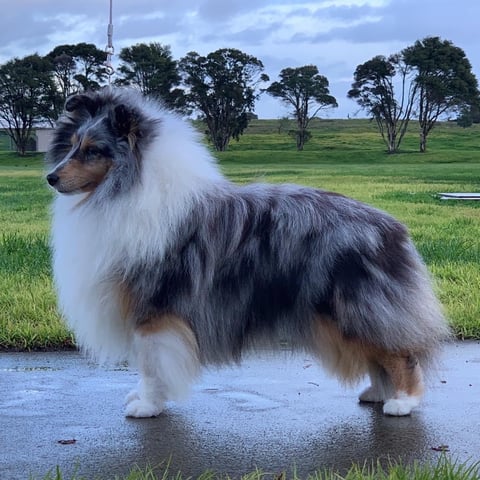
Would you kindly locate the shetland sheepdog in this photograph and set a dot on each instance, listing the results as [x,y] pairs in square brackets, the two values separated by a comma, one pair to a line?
[160,260]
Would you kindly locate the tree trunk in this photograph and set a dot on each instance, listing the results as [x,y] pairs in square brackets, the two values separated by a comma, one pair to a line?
[218,136]
[20,142]
[300,140]
[423,141]
[392,142]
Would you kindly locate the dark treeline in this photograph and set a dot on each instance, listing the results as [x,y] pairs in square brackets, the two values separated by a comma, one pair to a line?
[425,81]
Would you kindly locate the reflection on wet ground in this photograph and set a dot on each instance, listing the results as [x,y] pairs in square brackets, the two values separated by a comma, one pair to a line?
[274,414]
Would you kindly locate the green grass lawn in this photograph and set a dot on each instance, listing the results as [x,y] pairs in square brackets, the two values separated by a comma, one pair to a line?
[346,156]
[28,315]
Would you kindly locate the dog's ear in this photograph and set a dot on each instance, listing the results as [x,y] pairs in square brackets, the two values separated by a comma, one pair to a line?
[81,103]
[125,121]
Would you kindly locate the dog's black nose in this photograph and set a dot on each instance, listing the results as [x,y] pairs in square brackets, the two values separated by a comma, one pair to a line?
[52,179]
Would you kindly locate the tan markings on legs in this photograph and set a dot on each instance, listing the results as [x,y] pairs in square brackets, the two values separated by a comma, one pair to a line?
[346,358]
[350,359]
[170,323]
[404,371]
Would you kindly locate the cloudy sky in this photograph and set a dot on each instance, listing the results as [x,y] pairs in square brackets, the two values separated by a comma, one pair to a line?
[335,35]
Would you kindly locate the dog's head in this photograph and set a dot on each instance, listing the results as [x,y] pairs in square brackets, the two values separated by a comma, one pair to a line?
[97,142]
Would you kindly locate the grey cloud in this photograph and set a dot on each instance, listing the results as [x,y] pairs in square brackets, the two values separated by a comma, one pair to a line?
[346,12]
[249,36]
[142,28]
[29,26]
[221,10]
[406,21]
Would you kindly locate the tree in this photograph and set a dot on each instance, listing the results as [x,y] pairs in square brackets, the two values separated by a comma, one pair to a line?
[222,87]
[78,68]
[27,95]
[465,118]
[444,78]
[152,69]
[307,92]
[64,68]
[468,115]
[374,90]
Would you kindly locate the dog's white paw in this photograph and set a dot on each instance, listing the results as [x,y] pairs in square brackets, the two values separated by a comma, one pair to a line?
[399,407]
[138,408]
[372,395]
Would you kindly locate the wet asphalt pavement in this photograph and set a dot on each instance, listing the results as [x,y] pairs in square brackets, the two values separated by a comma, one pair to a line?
[272,413]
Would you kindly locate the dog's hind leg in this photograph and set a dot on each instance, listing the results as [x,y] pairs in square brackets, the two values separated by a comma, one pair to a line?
[398,381]
[381,387]
[167,358]
[407,378]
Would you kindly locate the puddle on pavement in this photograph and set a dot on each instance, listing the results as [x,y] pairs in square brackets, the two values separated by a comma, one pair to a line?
[247,401]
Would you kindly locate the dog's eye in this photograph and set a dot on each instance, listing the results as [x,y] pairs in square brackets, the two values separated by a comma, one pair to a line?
[92,152]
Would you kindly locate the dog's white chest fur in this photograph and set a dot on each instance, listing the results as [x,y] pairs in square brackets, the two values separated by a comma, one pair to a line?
[84,248]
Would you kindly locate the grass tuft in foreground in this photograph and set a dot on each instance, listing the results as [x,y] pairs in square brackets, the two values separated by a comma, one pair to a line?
[444,469]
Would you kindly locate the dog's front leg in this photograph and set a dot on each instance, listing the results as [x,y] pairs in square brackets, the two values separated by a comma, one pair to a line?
[167,359]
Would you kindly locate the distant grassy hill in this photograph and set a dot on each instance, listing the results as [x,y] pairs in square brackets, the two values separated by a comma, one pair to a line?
[335,140]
